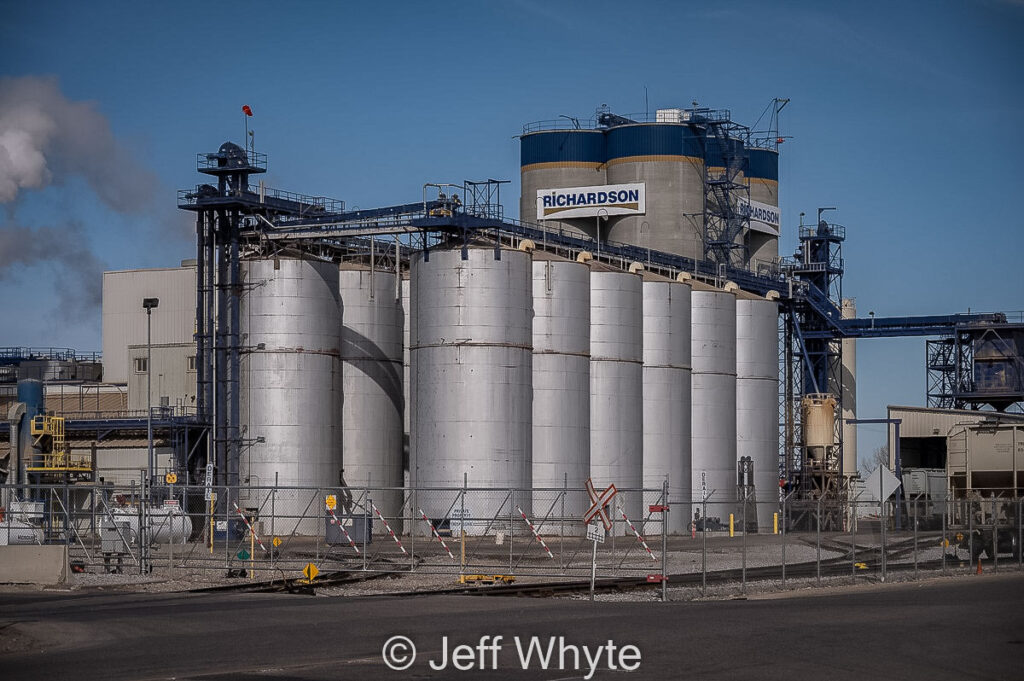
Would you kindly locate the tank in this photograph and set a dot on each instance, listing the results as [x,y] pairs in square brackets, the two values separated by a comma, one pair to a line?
[819,418]
[666,393]
[762,174]
[561,384]
[757,399]
[291,387]
[616,383]
[371,356]
[713,348]
[30,391]
[471,392]
[406,381]
[168,523]
[668,158]
[849,388]
[552,159]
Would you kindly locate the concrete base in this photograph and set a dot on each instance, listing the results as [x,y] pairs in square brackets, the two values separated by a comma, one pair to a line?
[33,564]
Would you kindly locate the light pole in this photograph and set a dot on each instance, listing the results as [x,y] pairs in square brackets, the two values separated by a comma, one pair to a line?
[149,304]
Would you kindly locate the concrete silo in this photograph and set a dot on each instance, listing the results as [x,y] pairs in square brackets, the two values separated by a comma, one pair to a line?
[291,386]
[762,173]
[371,354]
[616,382]
[713,348]
[757,399]
[551,159]
[471,389]
[666,390]
[849,388]
[561,382]
[668,159]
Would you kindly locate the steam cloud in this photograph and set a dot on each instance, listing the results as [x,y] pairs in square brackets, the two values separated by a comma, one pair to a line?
[45,139]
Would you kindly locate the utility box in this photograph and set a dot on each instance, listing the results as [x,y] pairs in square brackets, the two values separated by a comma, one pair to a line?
[114,536]
[359,528]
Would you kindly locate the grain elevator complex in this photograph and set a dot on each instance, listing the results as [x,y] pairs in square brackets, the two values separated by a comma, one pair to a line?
[637,326]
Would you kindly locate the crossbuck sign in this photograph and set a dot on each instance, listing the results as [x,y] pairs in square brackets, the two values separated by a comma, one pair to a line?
[598,503]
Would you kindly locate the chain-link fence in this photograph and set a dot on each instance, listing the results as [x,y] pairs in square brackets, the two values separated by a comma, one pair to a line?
[266,533]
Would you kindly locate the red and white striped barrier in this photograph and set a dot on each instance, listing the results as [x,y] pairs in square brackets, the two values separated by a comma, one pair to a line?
[535,534]
[252,530]
[436,535]
[638,537]
[344,531]
[388,528]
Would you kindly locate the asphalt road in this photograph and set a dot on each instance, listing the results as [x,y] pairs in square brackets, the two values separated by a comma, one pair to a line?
[966,628]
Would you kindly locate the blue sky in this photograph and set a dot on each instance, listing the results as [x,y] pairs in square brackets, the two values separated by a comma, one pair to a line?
[905,115]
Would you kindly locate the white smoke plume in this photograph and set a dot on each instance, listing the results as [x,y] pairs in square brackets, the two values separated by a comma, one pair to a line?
[45,138]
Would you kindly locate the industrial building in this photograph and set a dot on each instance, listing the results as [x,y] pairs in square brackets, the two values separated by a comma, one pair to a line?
[636,326]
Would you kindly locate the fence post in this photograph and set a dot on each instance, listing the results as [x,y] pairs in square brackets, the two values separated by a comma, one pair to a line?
[970,530]
[664,541]
[995,537]
[914,520]
[561,540]
[511,527]
[1020,536]
[883,521]
[817,542]
[704,545]
[945,541]
[367,519]
[743,550]
[853,537]
[273,519]
[784,529]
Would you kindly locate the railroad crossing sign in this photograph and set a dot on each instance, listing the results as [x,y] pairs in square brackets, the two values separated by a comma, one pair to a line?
[332,502]
[598,503]
[171,478]
[310,571]
[595,532]
[277,542]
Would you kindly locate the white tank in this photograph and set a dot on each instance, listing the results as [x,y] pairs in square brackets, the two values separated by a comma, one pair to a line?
[371,353]
[713,347]
[666,391]
[849,388]
[406,381]
[291,388]
[616,383]
[471,351]
[757,398]
[561,383]
[168,524]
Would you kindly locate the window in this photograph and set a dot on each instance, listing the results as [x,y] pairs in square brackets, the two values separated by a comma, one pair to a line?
[191,363]
[141,365]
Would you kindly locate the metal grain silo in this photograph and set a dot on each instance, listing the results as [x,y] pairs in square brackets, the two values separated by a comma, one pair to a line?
[757,397]
[291,386]
[666,392]
[371,354]
[668,158]
[406,380]
[471,369]
[616,382]
[561,381]
[713,353]
[762,173]
[552,159]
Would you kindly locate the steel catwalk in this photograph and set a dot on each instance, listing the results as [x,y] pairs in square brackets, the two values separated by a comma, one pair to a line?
[757,398]
[561,383]
[616,382]
[666,390]
[471,367]
[713,347]
[371,354]
[291,386]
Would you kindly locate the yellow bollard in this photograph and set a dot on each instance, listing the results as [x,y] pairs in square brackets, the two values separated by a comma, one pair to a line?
[731,532]
[775,523]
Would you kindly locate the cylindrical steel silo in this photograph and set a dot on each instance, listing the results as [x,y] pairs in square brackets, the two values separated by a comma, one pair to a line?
[762,175]
[406,380]
[668,159]
[616,382]
[757,399]
[561,383]
[666,392]
[371,354]
[713,348]
[291,387]
[471,366]
[553,159]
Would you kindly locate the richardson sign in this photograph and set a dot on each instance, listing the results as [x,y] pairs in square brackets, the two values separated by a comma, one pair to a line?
[763,217]
[588,202]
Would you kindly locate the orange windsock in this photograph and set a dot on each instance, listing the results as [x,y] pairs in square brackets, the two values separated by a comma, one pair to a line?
[246,110]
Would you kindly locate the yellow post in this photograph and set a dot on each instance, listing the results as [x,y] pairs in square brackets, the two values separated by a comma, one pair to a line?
[463,542]
[731,527]
[775,523]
